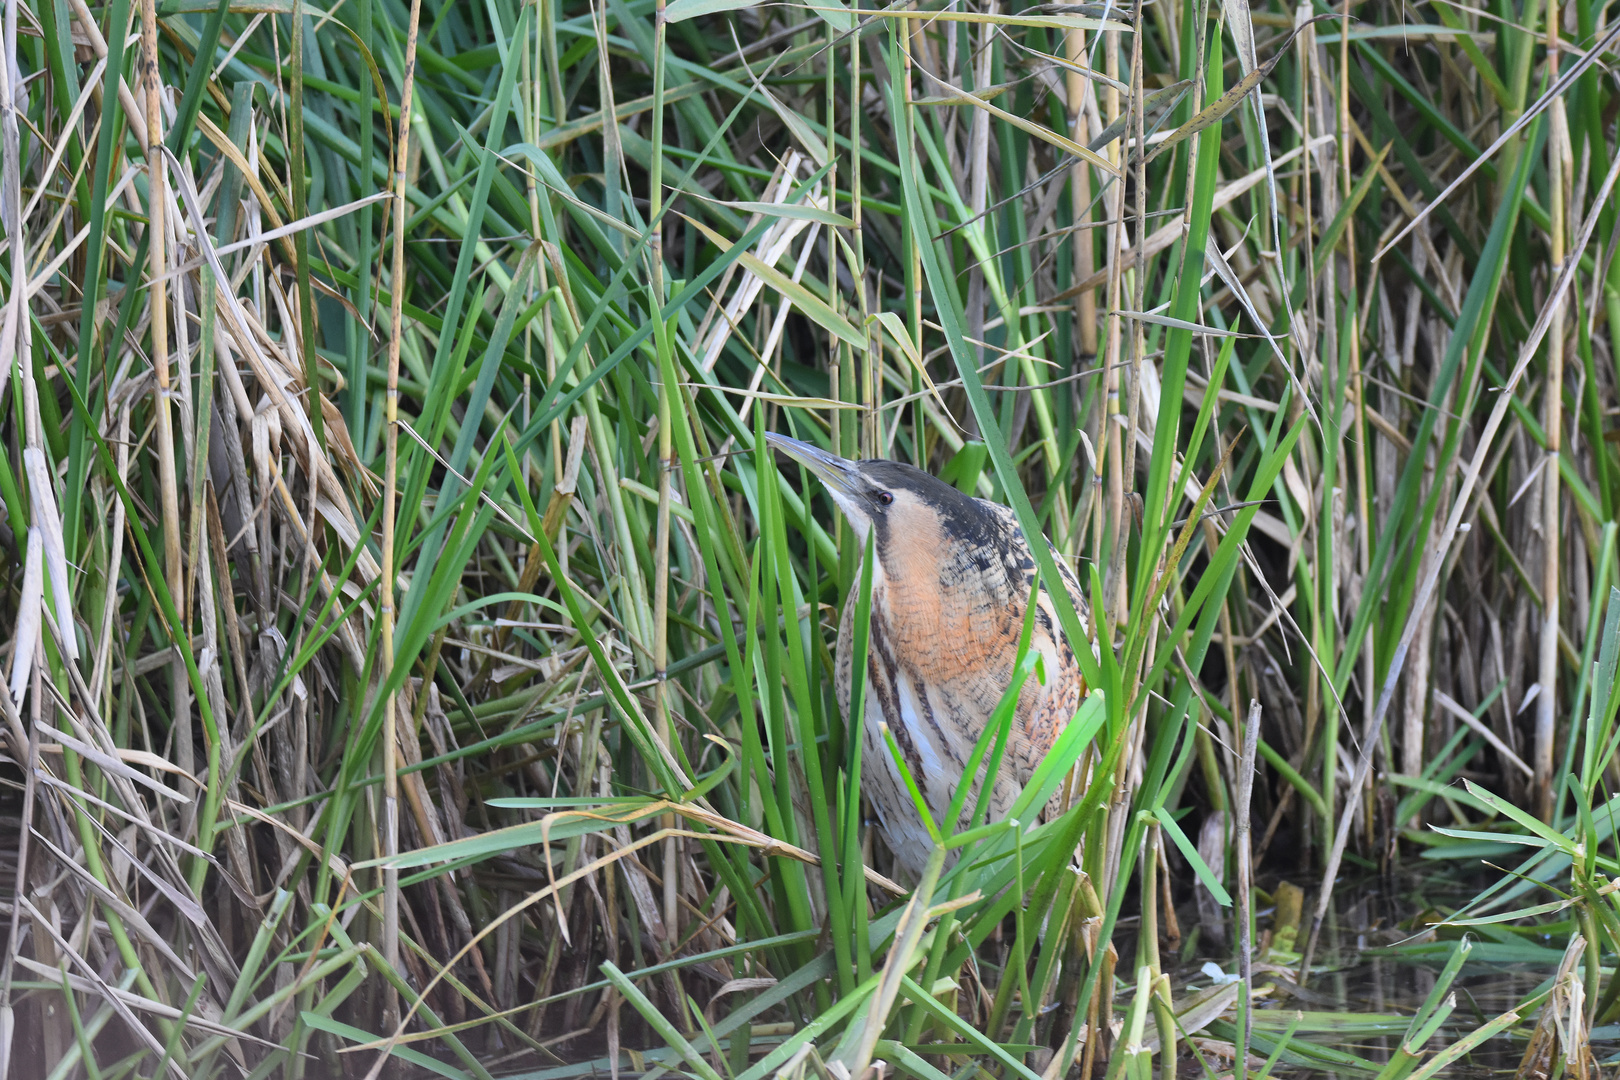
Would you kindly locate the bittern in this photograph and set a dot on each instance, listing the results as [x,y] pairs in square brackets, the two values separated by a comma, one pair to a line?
[950,590]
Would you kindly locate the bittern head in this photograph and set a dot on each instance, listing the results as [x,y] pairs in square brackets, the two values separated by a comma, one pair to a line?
[897,500]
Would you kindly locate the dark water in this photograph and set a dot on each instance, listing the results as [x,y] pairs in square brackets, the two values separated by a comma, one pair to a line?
[1382,947]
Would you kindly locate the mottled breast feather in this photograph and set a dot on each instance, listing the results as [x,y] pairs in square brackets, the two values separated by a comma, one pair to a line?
[950,592]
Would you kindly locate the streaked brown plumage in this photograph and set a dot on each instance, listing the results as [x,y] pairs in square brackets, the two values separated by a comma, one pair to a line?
[950,589]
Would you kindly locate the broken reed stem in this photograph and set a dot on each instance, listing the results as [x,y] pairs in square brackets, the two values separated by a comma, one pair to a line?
[157,256]
[1085,305]
[300,209]
[1137,137]
[1114,595]
[1358,390]
[666,465]
[1553,422]
[1245,877]
[396,285]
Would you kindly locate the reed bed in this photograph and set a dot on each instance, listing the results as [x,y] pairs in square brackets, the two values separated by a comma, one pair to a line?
[417,665]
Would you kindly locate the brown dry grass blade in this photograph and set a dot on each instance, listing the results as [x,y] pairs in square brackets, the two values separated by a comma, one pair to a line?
[1216,110]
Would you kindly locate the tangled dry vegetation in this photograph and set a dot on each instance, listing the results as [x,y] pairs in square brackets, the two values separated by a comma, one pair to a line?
[416,666]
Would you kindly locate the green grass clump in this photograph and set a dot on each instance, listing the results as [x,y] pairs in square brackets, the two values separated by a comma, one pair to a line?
[417,664]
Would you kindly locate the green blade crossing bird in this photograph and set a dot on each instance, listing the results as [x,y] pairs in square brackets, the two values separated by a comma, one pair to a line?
[950,589]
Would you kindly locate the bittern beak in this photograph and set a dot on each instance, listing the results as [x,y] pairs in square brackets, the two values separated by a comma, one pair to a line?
[849,489]
[840,475]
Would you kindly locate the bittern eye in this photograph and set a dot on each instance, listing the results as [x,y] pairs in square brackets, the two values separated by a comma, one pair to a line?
[884,498]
